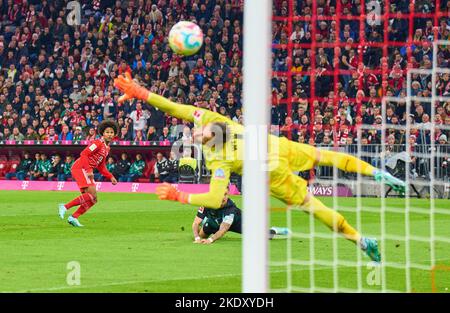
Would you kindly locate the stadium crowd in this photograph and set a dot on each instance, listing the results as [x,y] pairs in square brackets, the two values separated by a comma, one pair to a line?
[56,80]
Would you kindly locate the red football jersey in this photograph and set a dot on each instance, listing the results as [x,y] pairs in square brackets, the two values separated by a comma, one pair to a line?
[94,156]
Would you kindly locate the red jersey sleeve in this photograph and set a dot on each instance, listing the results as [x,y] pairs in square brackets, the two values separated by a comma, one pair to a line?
[104,171]
[87,152]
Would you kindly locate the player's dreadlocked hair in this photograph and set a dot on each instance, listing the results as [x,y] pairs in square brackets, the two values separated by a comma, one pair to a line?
[106,124]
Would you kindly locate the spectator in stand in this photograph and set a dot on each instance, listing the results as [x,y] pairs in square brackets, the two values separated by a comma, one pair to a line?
[35,166]
[124,134]
[78,134]
[188,160]
[52,136]
[43,167]
[111,164]
[31,134]
[6,133]
[92,134]
[57,169]
[186,137]
[165,135]
[151,134]
[123,166]
[139,136]
[161,169]
[289,129]
[175,129]
[22,169]
[139,117]
[66,174]
[136,170]
[173,168]
[65,134]
[16,135]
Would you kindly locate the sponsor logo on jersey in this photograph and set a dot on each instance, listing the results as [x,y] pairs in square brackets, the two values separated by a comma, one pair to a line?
[219,173]
[198,114]
[93,147]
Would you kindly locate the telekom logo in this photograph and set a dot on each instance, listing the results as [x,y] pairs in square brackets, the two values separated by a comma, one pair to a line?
[98,185]
[134,187]
[25,184]
[60,185]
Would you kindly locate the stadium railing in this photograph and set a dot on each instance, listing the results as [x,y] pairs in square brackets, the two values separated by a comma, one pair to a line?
[380,15]
[372,153]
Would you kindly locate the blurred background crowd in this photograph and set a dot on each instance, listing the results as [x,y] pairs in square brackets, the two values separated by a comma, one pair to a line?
[56,80]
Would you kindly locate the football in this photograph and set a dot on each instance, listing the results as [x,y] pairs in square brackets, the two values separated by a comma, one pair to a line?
[185,38]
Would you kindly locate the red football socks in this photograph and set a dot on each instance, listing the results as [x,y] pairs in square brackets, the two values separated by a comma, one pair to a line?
[86,205]
[82,209]
[85,197]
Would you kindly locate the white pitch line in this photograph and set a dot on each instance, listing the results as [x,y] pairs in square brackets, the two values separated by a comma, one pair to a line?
[127,283]
[158,280]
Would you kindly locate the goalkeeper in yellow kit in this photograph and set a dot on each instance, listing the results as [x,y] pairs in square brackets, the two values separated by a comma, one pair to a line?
[222,144]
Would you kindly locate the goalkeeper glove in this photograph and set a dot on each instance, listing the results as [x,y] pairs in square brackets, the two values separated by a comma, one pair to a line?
[166,191]
[130,88]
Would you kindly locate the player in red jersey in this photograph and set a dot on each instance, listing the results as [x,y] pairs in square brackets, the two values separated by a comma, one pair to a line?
[93,156]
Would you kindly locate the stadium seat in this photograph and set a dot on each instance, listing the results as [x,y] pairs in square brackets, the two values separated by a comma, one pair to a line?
[149,170]
[4,167]
[145,175]
[187,174]
[13,166]
[15,158]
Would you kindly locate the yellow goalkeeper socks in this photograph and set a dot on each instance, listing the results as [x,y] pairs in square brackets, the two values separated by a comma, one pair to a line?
[331,218]
[345,162]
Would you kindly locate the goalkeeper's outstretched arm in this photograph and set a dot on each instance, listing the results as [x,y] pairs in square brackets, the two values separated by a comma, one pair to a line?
[190,113]
[212,199]
[131,90]
[181,111]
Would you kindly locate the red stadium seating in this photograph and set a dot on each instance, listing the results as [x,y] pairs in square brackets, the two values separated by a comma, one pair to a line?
[15,157]
[13,165]
[4,167]
[148,170]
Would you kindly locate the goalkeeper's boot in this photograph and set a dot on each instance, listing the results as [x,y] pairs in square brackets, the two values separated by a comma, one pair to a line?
[74,221]
[370,246]
[393,182]
[272,233]
[61,211]
[281,230]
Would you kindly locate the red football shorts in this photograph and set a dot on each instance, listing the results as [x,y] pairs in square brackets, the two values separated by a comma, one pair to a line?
[80,175]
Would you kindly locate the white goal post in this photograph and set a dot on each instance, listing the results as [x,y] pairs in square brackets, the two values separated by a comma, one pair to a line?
[255,252]
[256,99]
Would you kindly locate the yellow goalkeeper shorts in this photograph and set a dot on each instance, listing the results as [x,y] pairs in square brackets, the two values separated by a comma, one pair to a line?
[291,156]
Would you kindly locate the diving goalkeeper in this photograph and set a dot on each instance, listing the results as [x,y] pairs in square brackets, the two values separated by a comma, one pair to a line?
[222,144]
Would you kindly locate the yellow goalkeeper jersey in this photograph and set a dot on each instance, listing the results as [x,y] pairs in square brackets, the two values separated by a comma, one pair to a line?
[221,161]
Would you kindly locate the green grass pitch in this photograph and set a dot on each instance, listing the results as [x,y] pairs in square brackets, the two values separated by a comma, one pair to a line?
[135,243]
